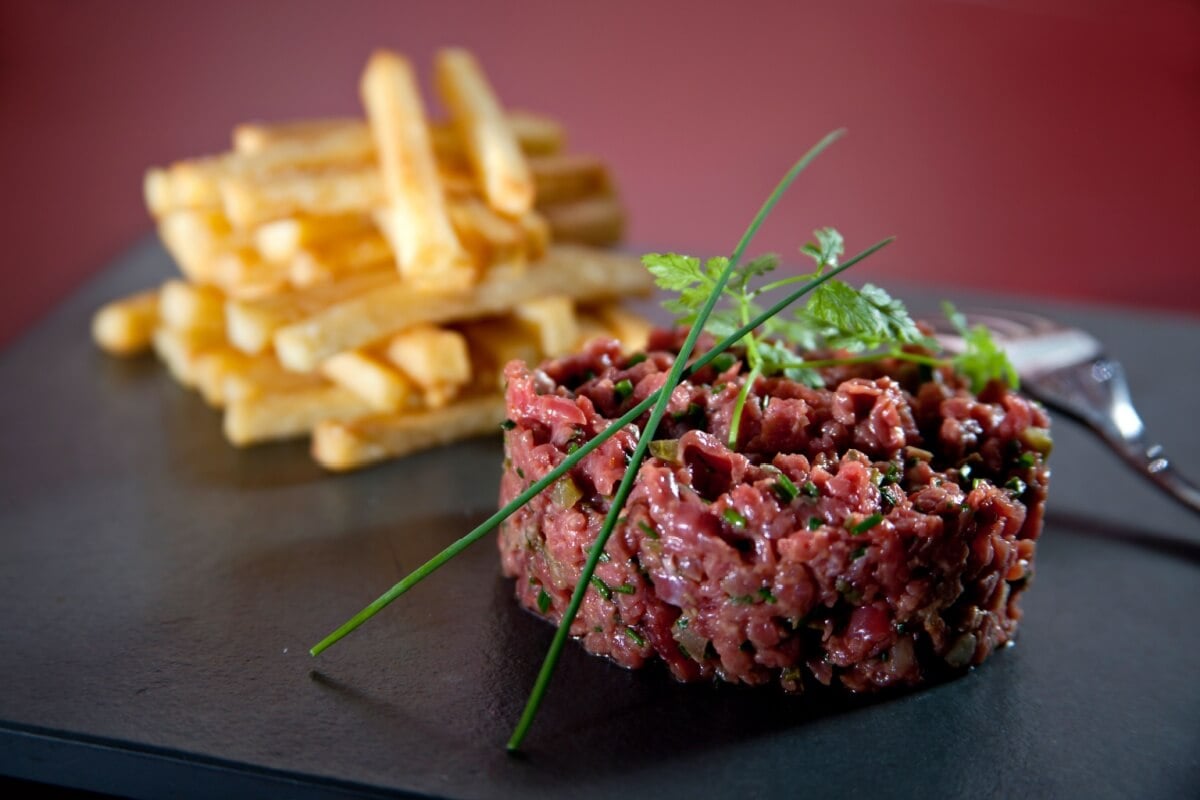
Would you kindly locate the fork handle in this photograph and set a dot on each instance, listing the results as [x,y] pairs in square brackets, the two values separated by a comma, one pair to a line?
[1152,464]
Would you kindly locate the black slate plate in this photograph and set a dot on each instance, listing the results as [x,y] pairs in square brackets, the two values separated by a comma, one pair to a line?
[159,591]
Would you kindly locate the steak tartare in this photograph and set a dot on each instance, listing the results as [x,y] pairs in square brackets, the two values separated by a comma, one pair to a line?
[870,534]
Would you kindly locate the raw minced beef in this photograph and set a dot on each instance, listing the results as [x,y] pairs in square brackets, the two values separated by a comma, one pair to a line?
[870,534]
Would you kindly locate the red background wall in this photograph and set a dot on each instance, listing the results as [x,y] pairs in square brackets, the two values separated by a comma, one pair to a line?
[1049,147]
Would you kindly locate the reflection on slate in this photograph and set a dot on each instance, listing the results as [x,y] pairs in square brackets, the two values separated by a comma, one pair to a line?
[159,591]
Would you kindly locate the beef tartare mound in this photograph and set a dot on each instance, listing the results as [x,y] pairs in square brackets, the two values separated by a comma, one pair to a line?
[873,533]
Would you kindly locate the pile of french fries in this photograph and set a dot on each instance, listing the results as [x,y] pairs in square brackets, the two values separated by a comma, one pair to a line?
[364,282]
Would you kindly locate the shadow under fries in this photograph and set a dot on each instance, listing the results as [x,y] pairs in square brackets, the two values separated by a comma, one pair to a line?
[198,454]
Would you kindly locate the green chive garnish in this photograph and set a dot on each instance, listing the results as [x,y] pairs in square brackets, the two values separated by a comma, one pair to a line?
[636,358]
[734,518]
[646,529]
[625,588]
[600,586]
[507,425]
[814,523]
[866,524]
[623,388]
[543,601]
[811,489]
[635,636]
[784,489]
[724,362]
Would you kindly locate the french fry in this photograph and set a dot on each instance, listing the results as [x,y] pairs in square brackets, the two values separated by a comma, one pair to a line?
[251,323]
[578,272]
[194,237]
[598,221]
[488,236]
[189,306]
[381,386]
[632,330]
[437,359]
[552,322]
[282,239]
[562,177]
[125,327]
[272,417]
[254,137]
[354,443]
[490,143]
[335,260]
[495,342]
[211,370]
[536,134]
[253,200]
[591,327]
[181,350]
[261,375]
[427,250]
[250,201]
[243,273]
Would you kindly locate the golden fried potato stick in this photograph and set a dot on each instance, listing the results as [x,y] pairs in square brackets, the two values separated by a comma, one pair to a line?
[339,259]
[190,306]
[490,143]
[183,350]
[261,375]
[598,220]
[427,249]
[250,323]
[250,138]
[536,134]
[630,329]
[268,417]
[578,272]
[252,200]
[358,442]
[436,359]
[569,176]
[552,320]
[282,239]
[125,327]
[381,385]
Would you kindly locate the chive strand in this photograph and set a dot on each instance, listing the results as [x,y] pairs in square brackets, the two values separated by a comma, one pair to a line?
[488,525]
[660,409]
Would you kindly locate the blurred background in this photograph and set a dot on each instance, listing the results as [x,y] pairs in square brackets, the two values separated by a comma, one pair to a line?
[1046,147]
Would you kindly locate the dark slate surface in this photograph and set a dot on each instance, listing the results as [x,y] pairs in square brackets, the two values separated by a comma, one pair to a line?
[159,591]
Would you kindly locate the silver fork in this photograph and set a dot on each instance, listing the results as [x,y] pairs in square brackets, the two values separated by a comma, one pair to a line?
[1066,369]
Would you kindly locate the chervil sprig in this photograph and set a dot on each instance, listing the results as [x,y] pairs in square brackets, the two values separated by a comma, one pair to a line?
[867,323]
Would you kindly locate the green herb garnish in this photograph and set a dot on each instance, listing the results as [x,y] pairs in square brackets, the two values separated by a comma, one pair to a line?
[836,317]
[625,588]
[866,524]
[646,529]
[814,523]
[543,601]
[982,360]
[635,637]
[600,586]
[622,389]
[734,518]
[811,489]
[784,489]
[507,425]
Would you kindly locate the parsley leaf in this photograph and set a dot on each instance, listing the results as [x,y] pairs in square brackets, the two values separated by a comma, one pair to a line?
[982,360]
